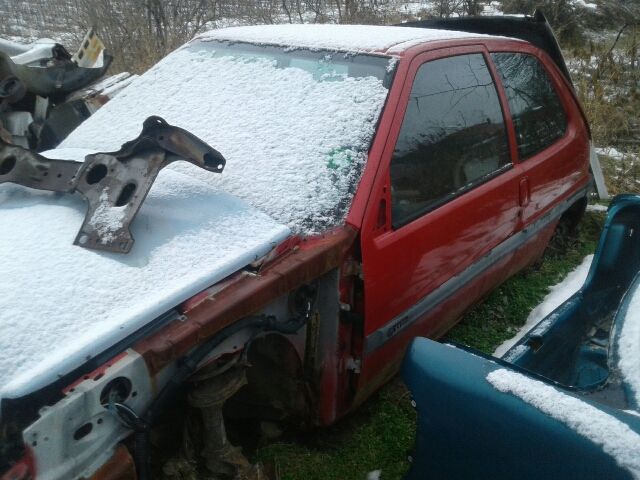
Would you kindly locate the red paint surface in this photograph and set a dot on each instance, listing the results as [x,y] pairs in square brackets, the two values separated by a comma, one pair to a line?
[399,267]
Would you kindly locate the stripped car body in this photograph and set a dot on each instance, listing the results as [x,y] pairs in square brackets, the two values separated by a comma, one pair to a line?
[561,403]
[292,296]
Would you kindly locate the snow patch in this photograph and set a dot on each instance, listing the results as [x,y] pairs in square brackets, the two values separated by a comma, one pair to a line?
[515,353]
[596,207]
[614,153]
[616,438]
[557,295]
[107,219]
[628,346]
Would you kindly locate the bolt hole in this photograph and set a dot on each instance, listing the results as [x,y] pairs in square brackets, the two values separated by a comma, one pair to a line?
[134,394]
[59,175]
[125,194]
[99,421]
[83,431]
[7,165]
[96,173]
[34,443]
[117,390]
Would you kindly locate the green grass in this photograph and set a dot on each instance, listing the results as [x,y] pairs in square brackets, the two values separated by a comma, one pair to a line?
[506,309]
[381,433]
[377,436]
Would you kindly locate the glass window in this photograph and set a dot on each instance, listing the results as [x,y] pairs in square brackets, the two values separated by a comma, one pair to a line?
[452,137]
[538,115]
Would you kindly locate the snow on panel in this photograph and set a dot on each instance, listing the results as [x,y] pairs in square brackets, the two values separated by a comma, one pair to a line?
[354,38]
[63,304]
[616,438]
[558,294]
[628,345]
[295,142]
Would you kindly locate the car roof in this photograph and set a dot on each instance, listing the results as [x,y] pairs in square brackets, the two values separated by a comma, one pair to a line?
[349,38]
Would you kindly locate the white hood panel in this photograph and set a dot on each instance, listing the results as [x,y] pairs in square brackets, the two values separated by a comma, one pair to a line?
[61,304]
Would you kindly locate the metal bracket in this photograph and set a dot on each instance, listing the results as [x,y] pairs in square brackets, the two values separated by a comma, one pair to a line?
[114,184]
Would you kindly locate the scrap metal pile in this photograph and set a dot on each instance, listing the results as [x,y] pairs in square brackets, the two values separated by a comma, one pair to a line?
[45,92]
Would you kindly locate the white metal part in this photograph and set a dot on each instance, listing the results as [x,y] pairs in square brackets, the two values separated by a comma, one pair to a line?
[77,435]
[597,173]
[17,124]
[37,52]
[90,53]
[12,48]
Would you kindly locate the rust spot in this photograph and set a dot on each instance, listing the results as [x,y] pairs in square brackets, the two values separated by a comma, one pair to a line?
[243,295]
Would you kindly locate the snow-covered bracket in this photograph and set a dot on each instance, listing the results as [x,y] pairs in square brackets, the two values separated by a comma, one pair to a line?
[114,184]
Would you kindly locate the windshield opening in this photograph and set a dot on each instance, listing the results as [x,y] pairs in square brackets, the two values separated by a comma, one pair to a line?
[295,125]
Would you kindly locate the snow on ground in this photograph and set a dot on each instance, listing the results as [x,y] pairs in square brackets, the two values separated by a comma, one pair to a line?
[354,38]
[557,295]
[596,207]
[295,139]
[616,438]
[614,153]
[628,346]
[63,304]
[583,4]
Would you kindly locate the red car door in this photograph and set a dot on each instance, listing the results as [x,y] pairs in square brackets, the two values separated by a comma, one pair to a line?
[551,134]
[450,192]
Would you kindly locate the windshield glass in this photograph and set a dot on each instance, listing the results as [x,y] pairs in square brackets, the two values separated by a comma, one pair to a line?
[294,125]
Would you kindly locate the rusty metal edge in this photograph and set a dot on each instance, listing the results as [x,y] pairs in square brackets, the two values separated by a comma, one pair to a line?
[244,294]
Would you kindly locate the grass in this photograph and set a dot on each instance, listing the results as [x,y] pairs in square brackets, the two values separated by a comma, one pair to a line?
[506,309]
[381,433]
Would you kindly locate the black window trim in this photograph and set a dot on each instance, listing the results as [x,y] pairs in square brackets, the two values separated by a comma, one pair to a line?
[493,72]
[554,85]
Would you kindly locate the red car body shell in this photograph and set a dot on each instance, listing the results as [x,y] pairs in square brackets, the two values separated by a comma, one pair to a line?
[401,267]
[442,262]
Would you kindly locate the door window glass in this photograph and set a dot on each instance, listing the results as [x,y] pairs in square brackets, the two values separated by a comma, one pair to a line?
[537,113]
[452,137]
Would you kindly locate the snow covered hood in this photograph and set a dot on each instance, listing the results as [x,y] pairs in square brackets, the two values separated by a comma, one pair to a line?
[354,38]
[62,304]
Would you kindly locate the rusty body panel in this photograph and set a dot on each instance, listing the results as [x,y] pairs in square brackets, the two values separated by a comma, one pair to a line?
[245,293]
[119,467]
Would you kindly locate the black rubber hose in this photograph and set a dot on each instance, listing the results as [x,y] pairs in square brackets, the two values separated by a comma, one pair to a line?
[186,367]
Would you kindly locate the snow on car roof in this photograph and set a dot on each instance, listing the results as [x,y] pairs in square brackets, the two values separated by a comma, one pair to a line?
[359,38]
[615,437]
[63,304]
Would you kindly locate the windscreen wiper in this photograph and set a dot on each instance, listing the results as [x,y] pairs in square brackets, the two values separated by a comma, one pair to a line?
[114,184]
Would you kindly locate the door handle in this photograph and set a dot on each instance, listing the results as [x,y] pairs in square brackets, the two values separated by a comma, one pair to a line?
[525,194]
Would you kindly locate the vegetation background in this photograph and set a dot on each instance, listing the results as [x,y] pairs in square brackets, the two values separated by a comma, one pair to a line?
[600,42]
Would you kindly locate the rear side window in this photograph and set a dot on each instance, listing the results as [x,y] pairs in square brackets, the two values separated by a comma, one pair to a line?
[538,115]
[452,136]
